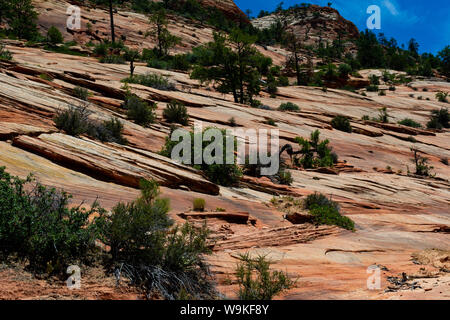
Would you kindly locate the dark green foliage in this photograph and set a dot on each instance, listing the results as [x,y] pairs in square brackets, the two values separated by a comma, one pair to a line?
[113,59]
[74,121]
[21,18]
[81,93]
[54,36]
[4,54]
[326,211]
[231,70]
[164,39]
[445,57]
[315,153]
[383,116]
[439,119]
[140,111]
[421,163]
[331,216]
[372,88]
[161,259]
[289,106]
[222,174]
[442,96]
[344,70]
[199,204]
[111,131]
[271,122]
[410,123]
[176,112]
[256,280]
[38,226]
[151,80]
[341,123]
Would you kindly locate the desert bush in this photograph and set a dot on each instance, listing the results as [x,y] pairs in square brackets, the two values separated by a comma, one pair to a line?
[110,131]
[289,106]
[37,225]
[421,163]
[271,122]
[176,112]
[392,88]
[442,96]
[232,122]
[256,280]
[382,93]
[326,211]
[140,111]
[344,70]
[439,119]
[331,216]
[341,123]
[222,174]
[113,59]
[164,260]
[383,115]
[74,121]
[81,93]
[285,177]
[410,123]
[152,80]
[4,54]
[54,36]
[374,80]
[199,204]
[315,153]
[372,88]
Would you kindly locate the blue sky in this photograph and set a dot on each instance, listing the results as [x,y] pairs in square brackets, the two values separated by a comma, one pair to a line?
[426,21]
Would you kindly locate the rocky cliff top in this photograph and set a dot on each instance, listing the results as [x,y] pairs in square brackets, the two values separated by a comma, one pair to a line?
[312,24]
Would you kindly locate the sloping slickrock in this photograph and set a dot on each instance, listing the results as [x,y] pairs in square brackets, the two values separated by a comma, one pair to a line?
[114,164]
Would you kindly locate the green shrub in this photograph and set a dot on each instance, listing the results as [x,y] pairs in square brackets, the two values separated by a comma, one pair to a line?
[383,115]
[176,112]
[271,122]
[344,70]
[439,119]
[257,282]
[365,117]
[341,123]
[289,106]
[199,204]
[331,216]
[158,64]
[54,36]
[421,163]
[140,111]
[165,261]
[442,96]
[222,174]
[410,123]
[326,211]
[285,178]
[81,93]
[232,122]
[372,88]
[5,54]
[315,153]
[74,121]
[45,76]
[283,81]
[151,80]
[318,199]
[382,93]
[374,80]
[36,224]
[113,59]
[392,88]
[110,131]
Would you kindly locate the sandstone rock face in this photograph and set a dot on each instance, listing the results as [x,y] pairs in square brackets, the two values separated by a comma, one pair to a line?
[313,24]
[228,7]
[401,220]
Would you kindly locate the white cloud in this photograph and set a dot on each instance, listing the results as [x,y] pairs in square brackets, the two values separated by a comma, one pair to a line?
[391,7]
